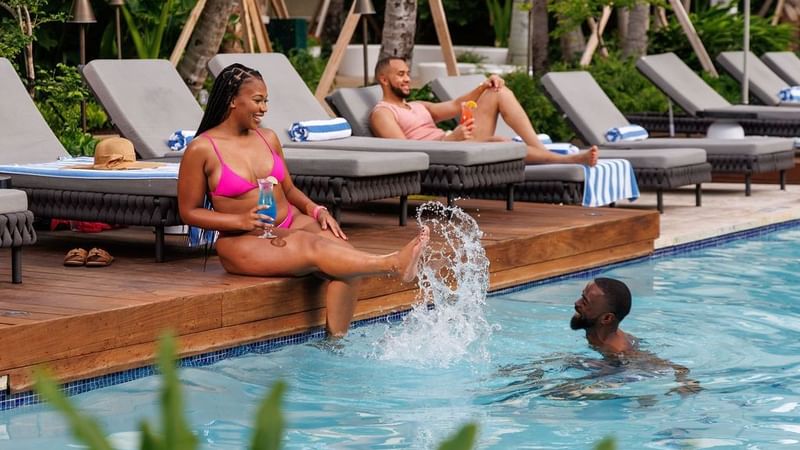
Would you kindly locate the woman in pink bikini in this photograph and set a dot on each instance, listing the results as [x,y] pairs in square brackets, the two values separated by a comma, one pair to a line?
[224,161]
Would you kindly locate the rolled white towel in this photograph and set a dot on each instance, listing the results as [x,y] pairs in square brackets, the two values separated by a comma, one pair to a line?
[626,133]
[320,130]
[789,95]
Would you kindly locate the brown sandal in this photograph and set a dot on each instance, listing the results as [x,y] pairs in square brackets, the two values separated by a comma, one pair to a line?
[75,257]
[98,258]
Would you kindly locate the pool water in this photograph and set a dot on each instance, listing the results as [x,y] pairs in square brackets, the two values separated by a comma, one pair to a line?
[730,314]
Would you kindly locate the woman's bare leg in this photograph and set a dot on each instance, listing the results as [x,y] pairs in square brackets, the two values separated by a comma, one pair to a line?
[505,103]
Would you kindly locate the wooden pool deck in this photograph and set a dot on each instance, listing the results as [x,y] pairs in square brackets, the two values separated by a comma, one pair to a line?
[83,322]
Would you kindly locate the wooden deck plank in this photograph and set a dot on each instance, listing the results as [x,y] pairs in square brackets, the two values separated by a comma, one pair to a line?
[84,322]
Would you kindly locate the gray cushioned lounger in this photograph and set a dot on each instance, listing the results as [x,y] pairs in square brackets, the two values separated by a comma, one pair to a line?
[785,64]
[657,171]
[763,82]
[148,101]
[25,137]
[455,168]
[592,113]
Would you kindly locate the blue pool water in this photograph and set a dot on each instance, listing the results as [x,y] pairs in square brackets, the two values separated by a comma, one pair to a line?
[730,314]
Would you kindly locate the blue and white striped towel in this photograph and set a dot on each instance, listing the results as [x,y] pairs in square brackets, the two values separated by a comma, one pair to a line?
[562,148]
[609,181]
[543,138]
[180,139]
[62,169]
[790,95]
[320,130]
[626,133]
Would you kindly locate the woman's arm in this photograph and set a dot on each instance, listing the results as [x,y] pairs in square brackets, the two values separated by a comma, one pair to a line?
[192,188]
[298,198]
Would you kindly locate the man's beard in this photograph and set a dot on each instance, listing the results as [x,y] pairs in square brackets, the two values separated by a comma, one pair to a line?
[399,92]
[579,322]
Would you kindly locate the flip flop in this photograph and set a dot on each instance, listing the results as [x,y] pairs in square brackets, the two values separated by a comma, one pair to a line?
[98,258]
[75,257]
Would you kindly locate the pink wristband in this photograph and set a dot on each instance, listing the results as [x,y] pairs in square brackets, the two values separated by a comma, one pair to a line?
[317,209]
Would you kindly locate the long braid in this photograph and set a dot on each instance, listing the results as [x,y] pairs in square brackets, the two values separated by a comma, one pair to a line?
[225,88]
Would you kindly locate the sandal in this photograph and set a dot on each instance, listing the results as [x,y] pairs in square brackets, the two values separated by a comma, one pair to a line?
[98,258]
[75,257]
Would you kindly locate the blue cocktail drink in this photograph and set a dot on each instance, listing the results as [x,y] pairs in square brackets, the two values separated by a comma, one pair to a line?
[266,198]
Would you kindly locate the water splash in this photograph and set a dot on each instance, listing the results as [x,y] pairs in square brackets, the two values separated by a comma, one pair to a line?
[454,279]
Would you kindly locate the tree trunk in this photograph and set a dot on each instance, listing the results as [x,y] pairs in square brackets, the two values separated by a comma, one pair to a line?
[623,18]
[573,43]
[518,44]
[635,43]
[333,22]
[540,37]
[205,42]
[399,26]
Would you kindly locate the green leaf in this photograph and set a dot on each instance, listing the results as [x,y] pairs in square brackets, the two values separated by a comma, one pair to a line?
[84,429]
[269,420]
[607,443]
[177,434]
[464,439]
[141,48]
[155,49]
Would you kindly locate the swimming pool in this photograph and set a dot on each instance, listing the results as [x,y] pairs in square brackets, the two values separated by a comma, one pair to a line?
[729,313]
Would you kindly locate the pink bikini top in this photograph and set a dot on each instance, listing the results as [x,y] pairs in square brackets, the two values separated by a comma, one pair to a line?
[232,184]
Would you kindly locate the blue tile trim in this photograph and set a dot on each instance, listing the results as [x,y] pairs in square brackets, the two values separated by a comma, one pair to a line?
[77,387]
[11,401]
[681,249]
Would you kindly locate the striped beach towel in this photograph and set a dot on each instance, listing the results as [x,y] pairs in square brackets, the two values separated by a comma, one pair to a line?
[790,95]
[562,148]
[61,168]
[320,130]
[180,139]
[626,133]
[543,138]
[609,181]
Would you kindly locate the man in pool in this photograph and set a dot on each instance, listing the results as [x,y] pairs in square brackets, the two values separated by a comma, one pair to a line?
[604,303]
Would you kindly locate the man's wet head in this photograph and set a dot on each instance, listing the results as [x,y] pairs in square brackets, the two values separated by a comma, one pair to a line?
[604,302]
[393,73]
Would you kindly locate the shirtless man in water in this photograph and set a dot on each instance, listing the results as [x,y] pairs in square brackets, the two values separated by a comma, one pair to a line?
[395,118]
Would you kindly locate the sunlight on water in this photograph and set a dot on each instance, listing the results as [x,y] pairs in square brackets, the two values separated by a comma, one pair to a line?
[454,278]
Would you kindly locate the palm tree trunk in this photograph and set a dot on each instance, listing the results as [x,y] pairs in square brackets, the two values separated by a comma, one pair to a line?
[333,22]
[540,37]
[573,43]
[205,41]
[399,26]
[635,43]
[518,36]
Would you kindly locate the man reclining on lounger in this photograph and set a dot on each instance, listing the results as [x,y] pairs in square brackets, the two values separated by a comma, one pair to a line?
[395,118]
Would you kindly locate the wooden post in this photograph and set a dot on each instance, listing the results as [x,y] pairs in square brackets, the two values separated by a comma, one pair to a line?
[778,10]
[319,18]
[186,33]
[260,28]
[247,27]
[694,39]
[443,34]
[326,81]
[594,39]
[280,9]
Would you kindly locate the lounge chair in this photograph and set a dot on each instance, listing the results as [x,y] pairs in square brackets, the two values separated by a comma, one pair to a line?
[764,84]
[26,138]
[147,100]
[683,86]
[654,170]
[592,113]
[785,64]
[456,169]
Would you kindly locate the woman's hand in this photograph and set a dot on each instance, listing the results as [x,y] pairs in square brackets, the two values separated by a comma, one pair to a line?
[252,220]
[327,222]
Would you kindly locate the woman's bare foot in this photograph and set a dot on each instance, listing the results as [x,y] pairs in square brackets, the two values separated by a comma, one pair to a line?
[409,256]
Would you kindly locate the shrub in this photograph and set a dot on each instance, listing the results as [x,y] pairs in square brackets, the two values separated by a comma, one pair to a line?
[58,96]
[543,114]
[308,66]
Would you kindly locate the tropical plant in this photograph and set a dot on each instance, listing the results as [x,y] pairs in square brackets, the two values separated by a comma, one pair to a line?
[19,32]
[721,31]
[500,19]
[470,57]
[59,94]
[308,66]
[175,431]
[152,25]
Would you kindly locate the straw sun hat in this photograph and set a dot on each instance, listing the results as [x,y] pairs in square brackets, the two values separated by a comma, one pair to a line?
[116,154]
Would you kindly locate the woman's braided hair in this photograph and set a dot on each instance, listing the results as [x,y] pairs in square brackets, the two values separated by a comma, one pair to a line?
[225,88]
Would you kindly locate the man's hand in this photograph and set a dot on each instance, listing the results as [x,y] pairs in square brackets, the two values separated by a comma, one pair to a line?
[463,132]
[494,82]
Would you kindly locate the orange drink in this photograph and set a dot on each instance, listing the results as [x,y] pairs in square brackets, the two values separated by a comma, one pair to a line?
[466,110]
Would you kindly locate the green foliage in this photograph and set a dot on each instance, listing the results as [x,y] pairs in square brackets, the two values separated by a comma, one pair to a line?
[175,432]
[573,13]
[464,438]
[308,66]
[153,26]
[470,57]
[500,19]
[459,12]
[607,443]
[720,31]
[12,37]
[726,86]
[543,114]
[58,96]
